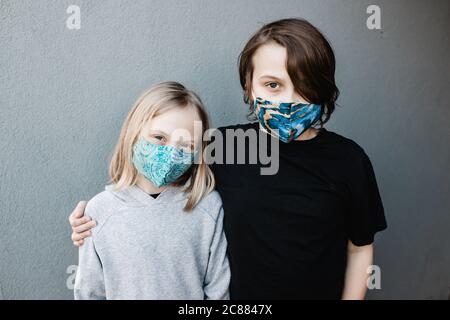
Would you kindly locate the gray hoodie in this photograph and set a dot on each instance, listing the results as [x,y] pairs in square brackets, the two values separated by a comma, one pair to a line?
[147,248]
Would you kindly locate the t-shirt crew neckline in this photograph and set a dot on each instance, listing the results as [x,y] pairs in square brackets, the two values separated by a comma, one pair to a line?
[314,139]
[319,136]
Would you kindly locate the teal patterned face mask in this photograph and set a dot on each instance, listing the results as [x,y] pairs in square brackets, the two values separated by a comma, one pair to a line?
[160,164]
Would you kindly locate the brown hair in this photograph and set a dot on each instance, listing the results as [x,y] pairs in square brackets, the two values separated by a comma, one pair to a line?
[310,62]
[154,101]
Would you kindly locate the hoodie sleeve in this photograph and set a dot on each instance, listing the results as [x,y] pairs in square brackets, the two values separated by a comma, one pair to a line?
[89,281]
[217,278]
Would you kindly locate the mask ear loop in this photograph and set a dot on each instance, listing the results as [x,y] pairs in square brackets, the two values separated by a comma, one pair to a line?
[253,98]
[254,105]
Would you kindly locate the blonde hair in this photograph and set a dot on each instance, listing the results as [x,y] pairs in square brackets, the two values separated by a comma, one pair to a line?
[154,101]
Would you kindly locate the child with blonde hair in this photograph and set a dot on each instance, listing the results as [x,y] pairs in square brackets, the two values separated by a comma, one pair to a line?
[159,231]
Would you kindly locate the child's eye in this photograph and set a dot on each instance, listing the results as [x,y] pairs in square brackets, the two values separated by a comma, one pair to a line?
[158,139]
[273,85]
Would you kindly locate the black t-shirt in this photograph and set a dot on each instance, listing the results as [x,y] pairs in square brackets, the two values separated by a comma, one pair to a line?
[288,233]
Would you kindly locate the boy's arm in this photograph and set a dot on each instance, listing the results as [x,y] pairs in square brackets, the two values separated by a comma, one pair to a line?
[81,224]
[217,280]
[358,260]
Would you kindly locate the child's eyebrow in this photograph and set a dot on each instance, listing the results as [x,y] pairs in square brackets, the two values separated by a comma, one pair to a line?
[158,131]
[270,77]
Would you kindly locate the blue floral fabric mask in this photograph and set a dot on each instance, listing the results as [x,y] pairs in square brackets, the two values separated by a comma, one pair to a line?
[290,119]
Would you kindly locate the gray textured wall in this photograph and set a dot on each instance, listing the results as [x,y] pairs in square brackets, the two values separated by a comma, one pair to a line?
[64,94]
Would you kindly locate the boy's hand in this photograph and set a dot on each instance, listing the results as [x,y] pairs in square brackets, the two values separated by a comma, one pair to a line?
[81,224]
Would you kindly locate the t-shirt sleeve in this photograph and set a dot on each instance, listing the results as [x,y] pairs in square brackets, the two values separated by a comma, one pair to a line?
[365,208]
